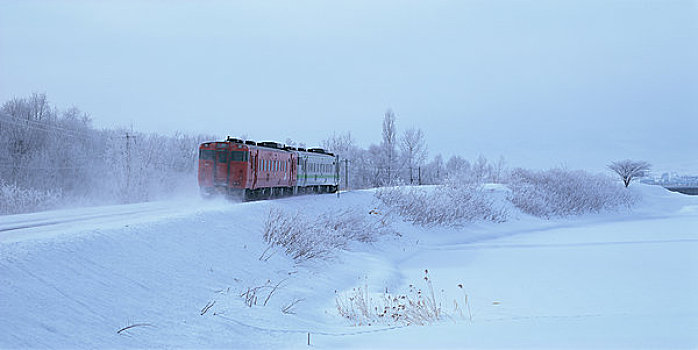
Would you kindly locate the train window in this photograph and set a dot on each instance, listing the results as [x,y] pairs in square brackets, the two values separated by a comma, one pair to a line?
[222,157]
[206,154]
[238,156]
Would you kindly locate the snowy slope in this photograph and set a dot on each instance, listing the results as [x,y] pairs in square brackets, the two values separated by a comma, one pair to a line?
[612,280]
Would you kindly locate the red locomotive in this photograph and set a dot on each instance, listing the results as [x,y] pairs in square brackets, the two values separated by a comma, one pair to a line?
[251,170]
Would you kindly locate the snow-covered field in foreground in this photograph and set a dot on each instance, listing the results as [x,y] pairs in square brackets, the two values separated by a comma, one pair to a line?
[613,280]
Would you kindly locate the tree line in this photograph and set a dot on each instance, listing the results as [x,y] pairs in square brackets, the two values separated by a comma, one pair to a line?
[53,157]
[403,158]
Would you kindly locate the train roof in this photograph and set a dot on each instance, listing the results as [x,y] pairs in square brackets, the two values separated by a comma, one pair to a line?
[273,145]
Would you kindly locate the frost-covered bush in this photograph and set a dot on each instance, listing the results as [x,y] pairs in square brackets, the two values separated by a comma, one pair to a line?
[450,205]
[14,199]
[558,192]
[303,237]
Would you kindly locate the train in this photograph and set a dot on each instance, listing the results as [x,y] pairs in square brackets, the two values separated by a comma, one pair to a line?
[250,170]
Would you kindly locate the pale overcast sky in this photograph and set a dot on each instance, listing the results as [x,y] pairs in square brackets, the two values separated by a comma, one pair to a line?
[543,83]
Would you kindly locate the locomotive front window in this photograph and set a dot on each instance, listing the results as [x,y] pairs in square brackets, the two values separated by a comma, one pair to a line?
[238,156]
[205,154]
[222,157]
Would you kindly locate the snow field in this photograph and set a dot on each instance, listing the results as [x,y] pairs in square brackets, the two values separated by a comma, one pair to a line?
[623,279]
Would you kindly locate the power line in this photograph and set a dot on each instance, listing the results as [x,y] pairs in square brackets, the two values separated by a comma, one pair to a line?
[45,128]
[39,123]
[33,124]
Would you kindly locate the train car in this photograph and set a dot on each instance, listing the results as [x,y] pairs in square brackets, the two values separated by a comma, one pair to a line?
[318,170]
[250,170]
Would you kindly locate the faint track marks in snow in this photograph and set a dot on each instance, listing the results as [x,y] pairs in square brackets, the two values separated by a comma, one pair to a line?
[470,246]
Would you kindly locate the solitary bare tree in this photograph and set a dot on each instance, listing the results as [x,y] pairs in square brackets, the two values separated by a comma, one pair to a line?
[628,170]
[389,146]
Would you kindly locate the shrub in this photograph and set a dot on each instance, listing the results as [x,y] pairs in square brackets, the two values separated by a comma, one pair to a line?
[450,205]
[15,199]
[305,238]
[558,193]
[414,307]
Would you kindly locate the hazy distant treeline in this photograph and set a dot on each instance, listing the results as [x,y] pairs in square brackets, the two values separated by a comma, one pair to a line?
[402,158]
[51,157]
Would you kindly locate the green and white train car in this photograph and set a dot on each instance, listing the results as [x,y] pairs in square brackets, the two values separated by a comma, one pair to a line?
[317,171]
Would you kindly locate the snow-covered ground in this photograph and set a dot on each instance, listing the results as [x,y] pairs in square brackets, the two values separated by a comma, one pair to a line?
[175,271]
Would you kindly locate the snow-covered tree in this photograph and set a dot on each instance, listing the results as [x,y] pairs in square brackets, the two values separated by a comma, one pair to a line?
[388,148]
[50,156]
[457,167]
[349,155]
[629,170]
[414,151]
[434,172]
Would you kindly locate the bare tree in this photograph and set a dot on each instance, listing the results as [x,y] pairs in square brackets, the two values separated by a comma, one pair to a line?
[414,150]
[434,171]
[352,159]
[481,170]
[341,144]
[628,170]
[499,170]
[457,167]
[388,146]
